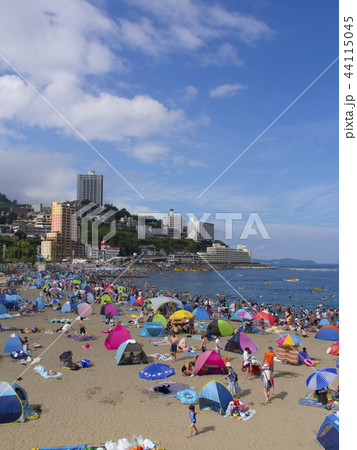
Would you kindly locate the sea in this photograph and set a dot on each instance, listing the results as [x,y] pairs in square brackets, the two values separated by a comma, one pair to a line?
[268,286]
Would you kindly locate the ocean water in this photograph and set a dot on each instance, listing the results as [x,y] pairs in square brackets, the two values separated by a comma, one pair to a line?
[261,285]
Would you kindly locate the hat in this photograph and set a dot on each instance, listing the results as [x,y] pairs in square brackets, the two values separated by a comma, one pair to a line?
[228,364]
[265,367]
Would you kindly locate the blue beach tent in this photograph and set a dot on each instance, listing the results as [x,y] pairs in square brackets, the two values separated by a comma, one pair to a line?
[66,307]
[201,314]
[13,344]
[11,408]
[215,395]
[40,304]
[328,435]
[152,329]
[187,307]
[3,309]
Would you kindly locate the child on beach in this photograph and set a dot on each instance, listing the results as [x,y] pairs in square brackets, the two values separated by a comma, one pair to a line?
[192,414]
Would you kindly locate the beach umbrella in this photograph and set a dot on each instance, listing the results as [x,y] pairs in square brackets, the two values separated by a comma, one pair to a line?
[321,378]
[268,318]
[328,333]
[54,290]
[156,371]
[242,316]
[65,356]
[289,339]
[181,314]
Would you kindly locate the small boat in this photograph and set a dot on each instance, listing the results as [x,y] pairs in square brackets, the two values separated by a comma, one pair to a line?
[294,280]
[320,289]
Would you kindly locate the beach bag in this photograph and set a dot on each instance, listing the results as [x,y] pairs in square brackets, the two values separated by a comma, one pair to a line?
[85,362]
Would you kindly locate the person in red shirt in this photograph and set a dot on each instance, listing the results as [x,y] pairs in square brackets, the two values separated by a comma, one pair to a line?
[269,358]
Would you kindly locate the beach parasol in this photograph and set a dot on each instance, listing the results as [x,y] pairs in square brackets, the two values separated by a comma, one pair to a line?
[65,356]
[242,316]
[289,339]
[181,314]
[156,371]
[268,318]
[321,378]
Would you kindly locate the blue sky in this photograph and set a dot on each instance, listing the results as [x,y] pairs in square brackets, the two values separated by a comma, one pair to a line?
[171,93]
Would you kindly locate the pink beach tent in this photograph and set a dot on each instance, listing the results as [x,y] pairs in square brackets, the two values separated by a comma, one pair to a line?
[116,337]
[84,310]
[209,362]
[110,308]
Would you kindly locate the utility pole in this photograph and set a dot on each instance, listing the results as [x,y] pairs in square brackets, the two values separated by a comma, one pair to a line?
[3,250]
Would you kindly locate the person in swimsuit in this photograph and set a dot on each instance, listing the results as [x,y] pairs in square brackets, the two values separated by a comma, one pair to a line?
[193,414]
[174,342]
[82,329]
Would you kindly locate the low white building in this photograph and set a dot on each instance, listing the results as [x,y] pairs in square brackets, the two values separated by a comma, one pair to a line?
[218,254]
[95,252]
[183,258]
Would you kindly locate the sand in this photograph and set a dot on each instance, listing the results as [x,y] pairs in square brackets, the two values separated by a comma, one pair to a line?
[108,402]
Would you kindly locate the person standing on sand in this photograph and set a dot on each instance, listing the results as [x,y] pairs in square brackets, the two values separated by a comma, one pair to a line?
[269,358]
[268,383]
[174,342]
[82,329]
[192,414]
[203,346]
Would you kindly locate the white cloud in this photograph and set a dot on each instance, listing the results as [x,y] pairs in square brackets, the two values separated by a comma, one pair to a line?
[149,152]
[36,176]
[226,90]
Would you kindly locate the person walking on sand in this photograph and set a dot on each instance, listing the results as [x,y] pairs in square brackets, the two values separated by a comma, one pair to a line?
[174,342]
[268,382]
[193,415]
[203,346]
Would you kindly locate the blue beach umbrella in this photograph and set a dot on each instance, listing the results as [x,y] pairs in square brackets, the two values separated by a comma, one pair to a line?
[321,378]
[156,371]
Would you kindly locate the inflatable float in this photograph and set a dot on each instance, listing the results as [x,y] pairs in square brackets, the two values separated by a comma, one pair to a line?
[188,397]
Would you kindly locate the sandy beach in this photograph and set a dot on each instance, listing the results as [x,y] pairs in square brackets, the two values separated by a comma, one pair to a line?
[107,402]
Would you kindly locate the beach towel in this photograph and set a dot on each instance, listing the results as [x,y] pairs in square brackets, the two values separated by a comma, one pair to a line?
[161,357]
[159,341]
[83,338]
[173,388]
[246,415]
[40,370]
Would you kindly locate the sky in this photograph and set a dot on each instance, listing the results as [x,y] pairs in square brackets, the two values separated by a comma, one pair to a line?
[201,106]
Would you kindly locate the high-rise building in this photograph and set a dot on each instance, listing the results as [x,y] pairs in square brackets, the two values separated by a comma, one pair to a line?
[200,231]
[63,240]
[173,224]
[90,187]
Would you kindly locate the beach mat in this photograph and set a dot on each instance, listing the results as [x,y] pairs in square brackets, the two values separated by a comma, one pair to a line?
[159,341]
[248,415]
[173,387]
[316,404]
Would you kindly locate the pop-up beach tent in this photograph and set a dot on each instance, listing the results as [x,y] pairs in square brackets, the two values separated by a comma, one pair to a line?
[66,307]
[214,395]
[328,434]
[11,408]
[152,329]
[209,362]
[13,344]
[157,302]
[238,342]
[127,347]
[158,318]
[201,314]
[221,327]
[328,333]
[116,337]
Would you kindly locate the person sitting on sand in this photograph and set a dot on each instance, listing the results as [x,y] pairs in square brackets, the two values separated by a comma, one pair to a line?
[188,369]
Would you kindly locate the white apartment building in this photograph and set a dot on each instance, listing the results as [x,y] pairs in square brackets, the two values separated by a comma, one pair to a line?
[218,254]
[183,258]
[94,252]
[200,231]
[172,224]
